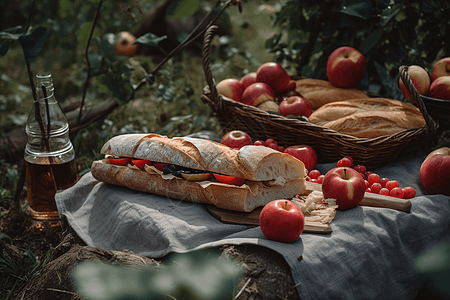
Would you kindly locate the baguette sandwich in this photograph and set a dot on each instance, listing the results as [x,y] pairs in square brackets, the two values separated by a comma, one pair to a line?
[188,169]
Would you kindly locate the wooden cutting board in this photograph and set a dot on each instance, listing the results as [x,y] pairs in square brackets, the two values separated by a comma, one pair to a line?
[371,199]
[252,218]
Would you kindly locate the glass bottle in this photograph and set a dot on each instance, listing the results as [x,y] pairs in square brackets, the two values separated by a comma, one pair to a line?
[49,154]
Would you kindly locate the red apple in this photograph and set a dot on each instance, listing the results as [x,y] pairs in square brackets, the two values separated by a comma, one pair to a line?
[296,106]
[248,79]
[290,87]
[275,75]
[282,221]
[441,68]
[304,153]
[345,185]
[257,93]
[440,88]
[435,172]
[346,67]
[236,139]
[420,79]
[288,94]
[231,88]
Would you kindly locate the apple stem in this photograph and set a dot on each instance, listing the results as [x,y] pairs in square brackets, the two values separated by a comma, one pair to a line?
[285,205]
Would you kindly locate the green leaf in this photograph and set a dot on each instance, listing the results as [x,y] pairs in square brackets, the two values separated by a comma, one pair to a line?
[3,236]
[85,30]
[119,84]
[434,266]
[357,8]
[389,13]
[182,8]
[196,275]
[12,33]
[149,39]
[66,8]
[390,85]
[32,43]
[165,92]
[371,40]
[4,47]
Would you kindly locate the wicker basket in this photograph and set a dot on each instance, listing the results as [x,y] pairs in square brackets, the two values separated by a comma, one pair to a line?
[329,144]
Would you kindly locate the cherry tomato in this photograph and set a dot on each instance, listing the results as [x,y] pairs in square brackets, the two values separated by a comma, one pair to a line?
[229,179]
[140,163]
[119,161]
[160,166]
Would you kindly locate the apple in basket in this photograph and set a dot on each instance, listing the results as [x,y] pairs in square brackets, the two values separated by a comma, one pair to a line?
[257,93]
[346,67]
[282,221]
[345,185]
[440,88]
[248,79]
[296,106]
[231,88]
[435,172]
[304,153]
[275,75]
[236,139]
[441,68]
[419,78]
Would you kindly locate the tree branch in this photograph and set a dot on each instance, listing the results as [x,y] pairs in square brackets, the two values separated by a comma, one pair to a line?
[86,55]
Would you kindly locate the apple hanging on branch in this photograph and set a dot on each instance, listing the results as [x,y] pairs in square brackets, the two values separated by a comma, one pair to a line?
[346,67]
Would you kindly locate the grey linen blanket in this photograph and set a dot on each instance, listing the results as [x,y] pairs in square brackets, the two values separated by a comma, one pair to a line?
[369,254]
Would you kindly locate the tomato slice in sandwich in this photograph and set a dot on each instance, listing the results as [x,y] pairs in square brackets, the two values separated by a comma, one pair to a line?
[119,161]
[160,166]
[140,163]
[229,179]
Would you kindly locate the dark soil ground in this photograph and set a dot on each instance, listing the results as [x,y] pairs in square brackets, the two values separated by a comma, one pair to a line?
[267,275]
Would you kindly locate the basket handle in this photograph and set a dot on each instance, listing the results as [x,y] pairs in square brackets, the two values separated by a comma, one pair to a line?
[207,38]
[431,124]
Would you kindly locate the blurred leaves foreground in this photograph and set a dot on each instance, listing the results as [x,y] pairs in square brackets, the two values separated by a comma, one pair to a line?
[200,274]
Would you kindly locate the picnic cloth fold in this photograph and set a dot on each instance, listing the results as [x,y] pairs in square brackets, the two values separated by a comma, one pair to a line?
[369,255]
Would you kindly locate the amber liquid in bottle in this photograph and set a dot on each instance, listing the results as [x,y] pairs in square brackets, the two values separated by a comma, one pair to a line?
[43,180]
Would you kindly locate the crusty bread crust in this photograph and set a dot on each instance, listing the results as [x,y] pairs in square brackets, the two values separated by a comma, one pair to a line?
[251,162]
[320,92]
[244,198]
[368,118]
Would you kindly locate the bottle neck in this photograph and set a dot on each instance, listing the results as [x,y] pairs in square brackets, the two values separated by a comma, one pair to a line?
[47,127]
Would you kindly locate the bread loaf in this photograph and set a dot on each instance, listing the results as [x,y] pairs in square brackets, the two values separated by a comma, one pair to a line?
[320,92]
[368,117]
[251,162]
[269,174]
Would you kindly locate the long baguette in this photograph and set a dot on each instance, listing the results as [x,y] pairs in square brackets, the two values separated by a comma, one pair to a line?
[251,162]
[270,174]
[320,92]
